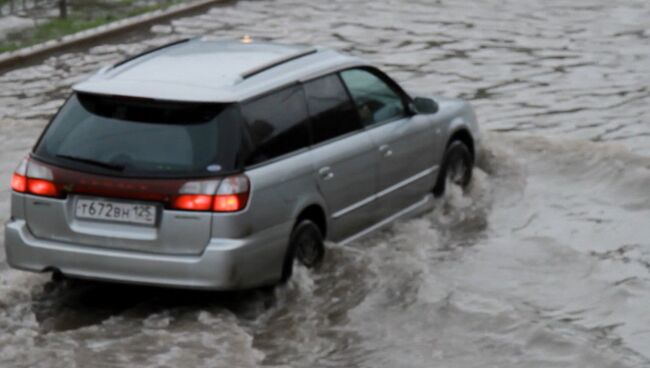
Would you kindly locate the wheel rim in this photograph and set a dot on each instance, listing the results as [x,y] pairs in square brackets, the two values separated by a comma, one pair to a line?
[308,250]
[458,170]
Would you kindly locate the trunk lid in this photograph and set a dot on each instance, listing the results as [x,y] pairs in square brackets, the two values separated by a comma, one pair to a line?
[172,231]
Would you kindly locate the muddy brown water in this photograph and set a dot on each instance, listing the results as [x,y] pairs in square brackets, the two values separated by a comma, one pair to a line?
[543,262]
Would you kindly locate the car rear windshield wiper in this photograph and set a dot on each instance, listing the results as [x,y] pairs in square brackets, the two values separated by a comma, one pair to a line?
[115,167]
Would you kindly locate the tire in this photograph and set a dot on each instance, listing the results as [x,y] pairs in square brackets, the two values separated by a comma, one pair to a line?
[456,167]
[58,277]
[306,245]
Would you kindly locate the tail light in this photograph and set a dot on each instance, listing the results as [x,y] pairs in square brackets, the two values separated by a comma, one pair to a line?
[226,195]
[220,195]
[193,202]
[42,187]
[232,194]
[19,183]
[32,178]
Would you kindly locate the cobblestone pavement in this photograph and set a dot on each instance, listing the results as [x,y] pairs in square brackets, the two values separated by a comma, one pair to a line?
[544,263]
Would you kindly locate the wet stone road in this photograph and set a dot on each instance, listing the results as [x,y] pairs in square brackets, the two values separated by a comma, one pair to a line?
[544,262]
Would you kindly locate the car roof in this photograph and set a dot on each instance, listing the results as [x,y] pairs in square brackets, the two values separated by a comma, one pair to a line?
[205,70]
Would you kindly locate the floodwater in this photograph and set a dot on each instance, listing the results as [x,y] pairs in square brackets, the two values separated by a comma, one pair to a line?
[543,262]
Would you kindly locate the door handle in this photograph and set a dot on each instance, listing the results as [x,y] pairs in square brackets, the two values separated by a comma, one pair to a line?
[385,149]
[325,173]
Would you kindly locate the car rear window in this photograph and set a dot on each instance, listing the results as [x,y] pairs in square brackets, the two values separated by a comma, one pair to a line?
[141,137]
[277,124]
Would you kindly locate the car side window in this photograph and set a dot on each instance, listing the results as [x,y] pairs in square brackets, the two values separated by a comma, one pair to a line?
[277,124]
[332,112]
[375,100]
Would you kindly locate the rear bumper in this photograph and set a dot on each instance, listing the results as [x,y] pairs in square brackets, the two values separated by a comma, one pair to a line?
[226,264]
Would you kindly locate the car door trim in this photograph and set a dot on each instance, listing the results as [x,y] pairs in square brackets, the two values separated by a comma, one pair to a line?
[355,206]
[408,210]
[407,181]
[384,192]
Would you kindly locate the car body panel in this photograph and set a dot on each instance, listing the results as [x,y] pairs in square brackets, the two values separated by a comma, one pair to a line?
[54,219]
[407,165]
[455,115]
[346,173]
[175,232]
[224,265]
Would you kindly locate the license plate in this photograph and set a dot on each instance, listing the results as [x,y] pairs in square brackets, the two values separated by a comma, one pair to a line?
[100,209]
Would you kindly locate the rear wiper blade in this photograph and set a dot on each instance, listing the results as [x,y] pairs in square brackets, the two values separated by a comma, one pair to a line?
[88,161]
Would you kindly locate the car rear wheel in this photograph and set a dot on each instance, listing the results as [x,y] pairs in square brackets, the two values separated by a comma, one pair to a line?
[306,246]
[456,167]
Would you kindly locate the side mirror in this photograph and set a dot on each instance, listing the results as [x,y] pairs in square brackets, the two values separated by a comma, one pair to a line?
[425,105]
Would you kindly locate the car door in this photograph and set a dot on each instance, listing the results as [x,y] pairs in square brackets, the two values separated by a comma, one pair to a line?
[344,156]
[403,140]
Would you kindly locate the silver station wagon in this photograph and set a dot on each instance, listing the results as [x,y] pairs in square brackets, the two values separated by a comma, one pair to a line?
[219,164]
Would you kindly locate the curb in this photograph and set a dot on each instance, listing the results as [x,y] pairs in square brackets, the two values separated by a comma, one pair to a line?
[15,58]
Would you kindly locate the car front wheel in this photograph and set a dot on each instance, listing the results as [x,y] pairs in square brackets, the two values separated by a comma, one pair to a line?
[456,167]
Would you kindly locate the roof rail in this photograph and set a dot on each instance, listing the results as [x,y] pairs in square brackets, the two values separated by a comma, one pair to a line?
[146,52]
[276,62]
